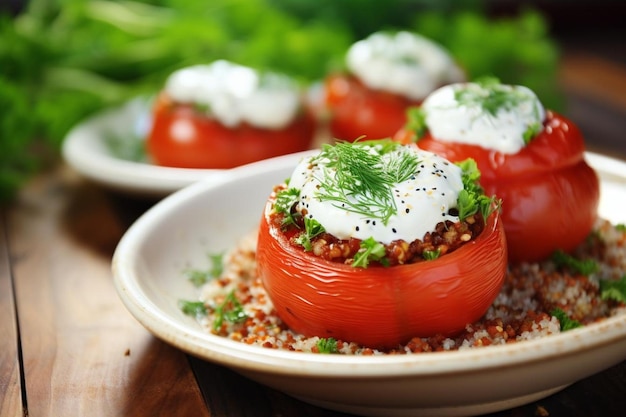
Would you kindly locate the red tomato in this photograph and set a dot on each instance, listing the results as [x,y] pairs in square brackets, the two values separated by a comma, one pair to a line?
[357,110]
[182,137]
[379,306]
[550,195]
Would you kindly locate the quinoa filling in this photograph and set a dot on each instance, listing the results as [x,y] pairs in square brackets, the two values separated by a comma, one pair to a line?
[537,300]
[446,238]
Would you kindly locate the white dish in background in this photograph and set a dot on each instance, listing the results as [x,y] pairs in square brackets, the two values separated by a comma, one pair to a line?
[85,149]
[206,218]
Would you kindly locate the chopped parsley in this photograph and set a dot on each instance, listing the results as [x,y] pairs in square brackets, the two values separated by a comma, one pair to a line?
[200,277]
[363,174]
[230,310]
[613,289]
[371,250]
[327,345]
[312,228]
[431,255]
[621,227]
[472,198]
[583,267]
[285,200]
[566,322]
[193,308]
[416,122]
[491,96]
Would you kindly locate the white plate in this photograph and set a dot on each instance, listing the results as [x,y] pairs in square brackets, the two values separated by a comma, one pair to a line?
[207,218]
[85,149]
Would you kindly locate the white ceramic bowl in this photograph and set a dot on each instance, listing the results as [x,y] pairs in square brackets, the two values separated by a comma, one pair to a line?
[210,217]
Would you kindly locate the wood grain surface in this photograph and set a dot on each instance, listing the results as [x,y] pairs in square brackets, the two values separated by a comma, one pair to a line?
[10,384]
[83,353]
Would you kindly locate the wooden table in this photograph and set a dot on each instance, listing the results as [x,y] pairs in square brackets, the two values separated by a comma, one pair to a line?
[68,347]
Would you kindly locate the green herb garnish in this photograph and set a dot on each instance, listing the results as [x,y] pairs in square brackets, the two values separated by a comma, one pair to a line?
[431,255]
[371,250]
[583,267]
[129,148]
[613,289]
[200,277]
[416,122]
[472,198]
[193,308]
[566,322]
[358,176]
[621,227]
[285,200]
[312,228]
[327,345]
[229,310]
[492,97]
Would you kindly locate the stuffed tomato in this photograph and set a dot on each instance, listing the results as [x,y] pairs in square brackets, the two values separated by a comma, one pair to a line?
[386,73]
[376,243]
[533,159]
[224,115]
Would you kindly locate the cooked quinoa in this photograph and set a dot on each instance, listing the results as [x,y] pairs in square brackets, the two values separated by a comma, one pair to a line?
[522,311]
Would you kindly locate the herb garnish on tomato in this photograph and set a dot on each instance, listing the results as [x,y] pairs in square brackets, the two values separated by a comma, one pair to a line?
[531,158]
[374,288]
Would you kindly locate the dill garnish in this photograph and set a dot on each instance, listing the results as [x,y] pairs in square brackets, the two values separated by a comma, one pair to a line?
[358,177]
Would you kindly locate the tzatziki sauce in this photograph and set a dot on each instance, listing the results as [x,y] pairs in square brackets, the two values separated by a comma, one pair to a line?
[402,63]
[420,202]
[233,94]
[493,116]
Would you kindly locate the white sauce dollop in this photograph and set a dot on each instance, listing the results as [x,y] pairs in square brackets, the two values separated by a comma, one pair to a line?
[234,94]
[403,63]
[421,201]
[466,121]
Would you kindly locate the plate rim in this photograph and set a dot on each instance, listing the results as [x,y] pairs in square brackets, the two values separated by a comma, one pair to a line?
[80,150]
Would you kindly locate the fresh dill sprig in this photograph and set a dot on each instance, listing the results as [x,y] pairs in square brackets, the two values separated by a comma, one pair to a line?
[358,176]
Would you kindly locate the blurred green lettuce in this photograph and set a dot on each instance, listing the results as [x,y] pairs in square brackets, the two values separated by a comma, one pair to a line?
[62,60]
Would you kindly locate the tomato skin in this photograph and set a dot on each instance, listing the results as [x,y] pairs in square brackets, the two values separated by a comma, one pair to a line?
[550,195]
[356,110]
[377,306]
[184,138]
